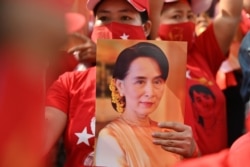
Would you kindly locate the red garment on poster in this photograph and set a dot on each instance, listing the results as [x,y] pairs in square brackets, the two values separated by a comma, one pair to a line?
[205,102]
[74,93]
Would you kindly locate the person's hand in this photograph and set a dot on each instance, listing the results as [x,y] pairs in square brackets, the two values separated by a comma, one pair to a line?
[86,51]
[177,138]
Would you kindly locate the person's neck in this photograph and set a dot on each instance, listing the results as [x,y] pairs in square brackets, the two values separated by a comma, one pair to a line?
[134,119]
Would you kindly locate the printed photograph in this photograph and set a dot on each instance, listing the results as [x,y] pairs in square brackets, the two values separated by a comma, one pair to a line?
[139,84]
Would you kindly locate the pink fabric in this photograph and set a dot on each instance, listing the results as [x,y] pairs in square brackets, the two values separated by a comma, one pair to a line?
[139,5]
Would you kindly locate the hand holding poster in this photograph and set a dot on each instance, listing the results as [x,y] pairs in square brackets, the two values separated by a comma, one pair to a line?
[144,89]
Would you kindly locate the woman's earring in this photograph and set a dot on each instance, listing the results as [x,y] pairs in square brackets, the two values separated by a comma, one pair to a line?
[117,98]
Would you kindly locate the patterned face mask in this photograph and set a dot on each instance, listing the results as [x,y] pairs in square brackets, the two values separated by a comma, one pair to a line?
[116,30]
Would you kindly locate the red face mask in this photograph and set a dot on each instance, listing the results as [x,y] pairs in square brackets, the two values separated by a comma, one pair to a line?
[178,32]
[115,30]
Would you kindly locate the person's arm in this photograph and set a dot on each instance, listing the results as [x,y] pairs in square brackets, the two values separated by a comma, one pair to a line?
[177,138]
[57,104]
[246,5]
[226,22]
[55,124]
[85,49]
[108,152]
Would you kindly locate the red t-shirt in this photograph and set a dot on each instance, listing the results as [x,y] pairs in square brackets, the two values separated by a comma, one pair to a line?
[205,102]
[74,93]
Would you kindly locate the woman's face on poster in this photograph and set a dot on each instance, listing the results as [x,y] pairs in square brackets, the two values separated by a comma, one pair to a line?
[142,87]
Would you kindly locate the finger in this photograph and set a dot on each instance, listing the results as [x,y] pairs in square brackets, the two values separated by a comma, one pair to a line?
[81,47]
[87,56]
[82,37]
[168,135]
[180,147]
[176,126]
[175,150]
[171,143]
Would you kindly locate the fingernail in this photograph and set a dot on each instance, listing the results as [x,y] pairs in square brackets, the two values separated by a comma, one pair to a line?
[160,124]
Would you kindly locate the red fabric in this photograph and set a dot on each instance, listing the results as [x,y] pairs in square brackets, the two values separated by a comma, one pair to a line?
[240,152]
[207,116]
[118,31]
[214,160]
[237,156]
[21,113]
[245,23]
[139,5]
[65,63]
[230,79]
[225,80]
[74,93]
[178,32]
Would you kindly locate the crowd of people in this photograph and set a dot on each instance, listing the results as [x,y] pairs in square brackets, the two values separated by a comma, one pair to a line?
[48,83]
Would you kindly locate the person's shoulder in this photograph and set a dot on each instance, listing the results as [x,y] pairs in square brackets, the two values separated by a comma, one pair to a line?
[106,131]
[113,126]
[241,143]
[79,76]
[111,130]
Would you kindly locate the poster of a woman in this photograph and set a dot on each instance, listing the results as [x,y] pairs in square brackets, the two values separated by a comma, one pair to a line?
[142,94]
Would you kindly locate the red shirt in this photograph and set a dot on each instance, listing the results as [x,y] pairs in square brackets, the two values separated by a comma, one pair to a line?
[74,93]
[205,102]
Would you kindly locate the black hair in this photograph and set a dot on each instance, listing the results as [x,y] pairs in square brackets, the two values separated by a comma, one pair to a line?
[141,49]
[128,55]
[200,89]
[143,15]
